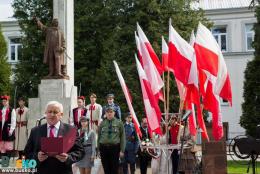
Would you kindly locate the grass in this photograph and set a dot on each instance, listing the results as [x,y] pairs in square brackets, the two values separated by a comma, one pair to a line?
[241,168]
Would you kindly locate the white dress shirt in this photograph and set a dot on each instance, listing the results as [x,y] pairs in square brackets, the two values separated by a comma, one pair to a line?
[56,129]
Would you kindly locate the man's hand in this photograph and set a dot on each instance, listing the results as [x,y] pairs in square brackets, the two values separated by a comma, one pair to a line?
[62,157]
[122,154]
[42,156]
[10,133]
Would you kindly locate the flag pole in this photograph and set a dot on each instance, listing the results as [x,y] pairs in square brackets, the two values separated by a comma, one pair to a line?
[165,102]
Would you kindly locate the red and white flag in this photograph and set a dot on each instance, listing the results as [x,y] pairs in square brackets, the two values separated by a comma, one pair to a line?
[214,77]
[152,109]
[164,55]
[150,49]
[180,56]
[193,96]
[128,99]
[151,72]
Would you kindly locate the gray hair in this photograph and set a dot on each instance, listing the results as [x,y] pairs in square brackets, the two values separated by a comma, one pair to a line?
[55,103]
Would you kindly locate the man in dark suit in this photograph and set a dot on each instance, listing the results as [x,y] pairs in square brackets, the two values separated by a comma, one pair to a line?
[144,157]
[58,164]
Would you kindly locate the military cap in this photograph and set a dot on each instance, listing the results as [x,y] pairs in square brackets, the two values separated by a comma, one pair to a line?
[110,108]
[110,96]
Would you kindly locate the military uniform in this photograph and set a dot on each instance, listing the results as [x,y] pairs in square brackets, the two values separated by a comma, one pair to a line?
[117,110]
[111,140]
[131,149]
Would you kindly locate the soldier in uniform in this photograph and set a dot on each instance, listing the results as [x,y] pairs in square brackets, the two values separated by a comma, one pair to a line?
[78,112]
[111,141]
[132,145]
[110,102]
[7,127]
[21,131]
[94,112]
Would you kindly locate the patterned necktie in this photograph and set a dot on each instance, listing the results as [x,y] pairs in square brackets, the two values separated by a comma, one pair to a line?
[52,129]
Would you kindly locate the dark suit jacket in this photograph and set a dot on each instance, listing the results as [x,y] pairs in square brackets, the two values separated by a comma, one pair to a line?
[52,165]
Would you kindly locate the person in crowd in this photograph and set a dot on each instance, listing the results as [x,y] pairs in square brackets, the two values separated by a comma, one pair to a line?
[88,139]
[176,130]
[144,157]
[110,102]
[56,164]
[94,112]
[7,127]
[21,131]
[111,141]
[132,145]
[78,112]
[162,164]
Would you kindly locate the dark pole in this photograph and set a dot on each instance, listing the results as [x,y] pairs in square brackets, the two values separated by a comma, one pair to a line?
[253,162]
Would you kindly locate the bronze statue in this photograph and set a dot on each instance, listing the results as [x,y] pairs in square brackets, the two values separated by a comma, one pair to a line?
[54,50]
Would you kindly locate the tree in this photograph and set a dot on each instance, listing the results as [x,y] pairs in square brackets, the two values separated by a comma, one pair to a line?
[109,28]
[104,31]
[251,106]
[5,69]
[30,68]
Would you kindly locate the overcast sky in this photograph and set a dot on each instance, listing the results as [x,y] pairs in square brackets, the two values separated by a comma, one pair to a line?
[6,1]
[6,11]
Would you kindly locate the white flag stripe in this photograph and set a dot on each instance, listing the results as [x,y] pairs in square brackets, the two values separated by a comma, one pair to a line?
[150,69]
[165,48]
[185,49]
[122,82]
[141,34]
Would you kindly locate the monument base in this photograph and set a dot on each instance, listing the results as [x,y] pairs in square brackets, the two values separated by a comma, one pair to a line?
[60,90]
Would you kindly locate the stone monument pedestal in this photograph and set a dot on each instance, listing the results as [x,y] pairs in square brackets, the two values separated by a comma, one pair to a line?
[60,90]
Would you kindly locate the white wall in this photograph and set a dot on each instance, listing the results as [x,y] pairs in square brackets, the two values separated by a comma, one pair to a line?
[236,59]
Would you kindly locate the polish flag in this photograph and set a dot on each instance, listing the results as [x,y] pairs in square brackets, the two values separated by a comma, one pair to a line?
[164,55]
[214,77]
[149,47]
[152,74]
[180,56]
[128,99]
[210,58]
[152,109]
[193,97]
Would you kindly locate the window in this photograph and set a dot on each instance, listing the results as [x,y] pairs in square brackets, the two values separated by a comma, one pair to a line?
[14,49]
[250,33]
[220,34]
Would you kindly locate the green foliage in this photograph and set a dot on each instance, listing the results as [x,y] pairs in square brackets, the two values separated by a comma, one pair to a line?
[5,69]
[30,69]
[104,31]
[251,107]
[109,31]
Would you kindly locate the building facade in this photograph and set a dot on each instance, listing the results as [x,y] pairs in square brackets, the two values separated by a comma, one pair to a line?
[232,27]
[11,32]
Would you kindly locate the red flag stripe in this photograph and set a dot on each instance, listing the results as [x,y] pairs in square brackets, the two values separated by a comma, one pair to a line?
[179,64]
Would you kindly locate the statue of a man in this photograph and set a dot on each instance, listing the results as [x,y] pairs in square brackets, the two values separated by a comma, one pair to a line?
[54,50]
